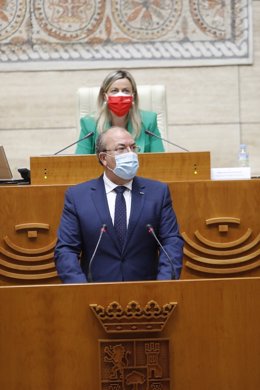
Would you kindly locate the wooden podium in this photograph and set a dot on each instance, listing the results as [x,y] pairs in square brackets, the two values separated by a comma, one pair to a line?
[71,169]
[217,219]
[50,338]
[56,336]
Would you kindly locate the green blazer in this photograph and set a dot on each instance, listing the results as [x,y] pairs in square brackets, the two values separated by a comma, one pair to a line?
[147,143]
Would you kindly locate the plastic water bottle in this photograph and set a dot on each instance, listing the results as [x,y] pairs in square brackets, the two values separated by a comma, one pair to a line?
[243,157]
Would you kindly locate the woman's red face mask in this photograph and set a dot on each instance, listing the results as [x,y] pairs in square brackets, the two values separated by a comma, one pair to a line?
[120,104]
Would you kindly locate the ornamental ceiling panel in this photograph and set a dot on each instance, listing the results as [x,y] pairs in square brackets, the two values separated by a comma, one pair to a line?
[86,34]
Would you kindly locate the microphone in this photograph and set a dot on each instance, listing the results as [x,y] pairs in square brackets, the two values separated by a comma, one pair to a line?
[102,231]
[151,231]
[79,140]
[166,140]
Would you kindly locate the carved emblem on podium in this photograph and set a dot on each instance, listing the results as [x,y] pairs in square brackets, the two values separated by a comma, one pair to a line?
[32,261]
[225,256]
[134,363]
[134,318]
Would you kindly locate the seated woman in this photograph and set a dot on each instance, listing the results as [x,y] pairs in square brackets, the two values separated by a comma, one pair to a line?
[117,105]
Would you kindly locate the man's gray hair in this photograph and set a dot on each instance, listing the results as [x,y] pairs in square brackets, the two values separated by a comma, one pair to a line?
[100,143]
[100,146]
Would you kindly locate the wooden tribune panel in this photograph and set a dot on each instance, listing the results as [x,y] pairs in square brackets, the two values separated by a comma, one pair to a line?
[161,166]
[221,227]
[218,220]
[30,216]
[50,338]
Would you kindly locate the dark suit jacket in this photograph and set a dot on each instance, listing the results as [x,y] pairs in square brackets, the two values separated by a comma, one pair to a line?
[86,210]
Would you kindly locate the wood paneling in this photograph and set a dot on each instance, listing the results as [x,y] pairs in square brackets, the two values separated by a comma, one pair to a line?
[49,335]
[221,226]
[160,166]
[29,219]
[219,221]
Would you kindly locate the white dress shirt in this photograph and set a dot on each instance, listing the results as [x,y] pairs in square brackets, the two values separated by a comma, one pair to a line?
[111,197]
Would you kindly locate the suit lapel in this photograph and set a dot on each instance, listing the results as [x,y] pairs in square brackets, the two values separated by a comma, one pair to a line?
[99,199]
[137,204]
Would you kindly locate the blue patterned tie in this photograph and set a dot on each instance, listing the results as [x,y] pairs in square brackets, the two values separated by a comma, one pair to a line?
[120,214]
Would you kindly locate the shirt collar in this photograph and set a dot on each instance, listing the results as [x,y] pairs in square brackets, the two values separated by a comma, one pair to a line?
[110,186]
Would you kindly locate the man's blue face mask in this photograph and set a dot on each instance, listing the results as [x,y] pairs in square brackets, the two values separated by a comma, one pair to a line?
[127,165]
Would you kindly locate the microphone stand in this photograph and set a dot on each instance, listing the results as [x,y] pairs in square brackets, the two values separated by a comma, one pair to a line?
[166,140]
[79,140]
[102,230]
[151,230]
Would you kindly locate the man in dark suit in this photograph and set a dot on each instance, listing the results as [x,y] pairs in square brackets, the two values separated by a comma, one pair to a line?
[101,240]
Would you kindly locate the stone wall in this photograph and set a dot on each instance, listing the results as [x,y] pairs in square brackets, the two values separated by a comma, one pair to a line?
[209,108]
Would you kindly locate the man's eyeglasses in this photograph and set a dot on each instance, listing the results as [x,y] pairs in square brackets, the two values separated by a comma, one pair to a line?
[124,149]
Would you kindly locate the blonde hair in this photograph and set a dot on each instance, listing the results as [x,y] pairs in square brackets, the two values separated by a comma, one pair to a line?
[104,115]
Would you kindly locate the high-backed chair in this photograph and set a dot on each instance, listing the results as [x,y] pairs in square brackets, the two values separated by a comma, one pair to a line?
[151,98]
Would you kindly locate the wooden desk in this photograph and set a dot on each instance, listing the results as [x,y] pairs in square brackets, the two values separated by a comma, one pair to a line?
[50,338]
[218,219]
[161,166]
